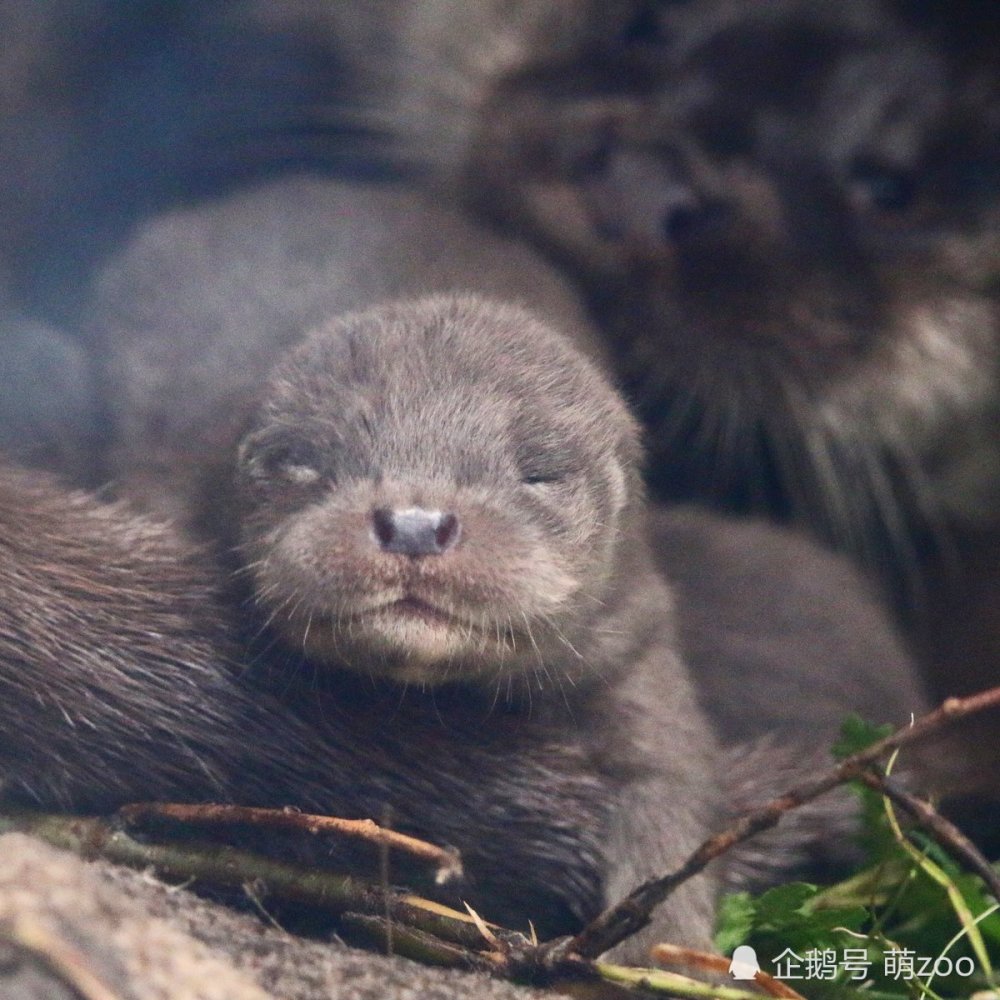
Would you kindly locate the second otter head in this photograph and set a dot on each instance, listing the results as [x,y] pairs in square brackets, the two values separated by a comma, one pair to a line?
[434,491]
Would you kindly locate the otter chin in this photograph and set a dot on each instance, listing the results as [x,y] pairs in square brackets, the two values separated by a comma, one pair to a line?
[419,633]
[408,639]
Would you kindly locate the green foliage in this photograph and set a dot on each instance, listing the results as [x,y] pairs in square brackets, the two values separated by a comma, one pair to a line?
[877,934]
[857,735]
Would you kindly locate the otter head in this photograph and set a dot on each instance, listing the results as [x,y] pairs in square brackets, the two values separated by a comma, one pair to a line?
[434,491]
[786,216]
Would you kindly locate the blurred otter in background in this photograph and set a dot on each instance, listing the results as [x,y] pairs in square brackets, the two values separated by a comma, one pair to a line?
[787,218]
[791,241]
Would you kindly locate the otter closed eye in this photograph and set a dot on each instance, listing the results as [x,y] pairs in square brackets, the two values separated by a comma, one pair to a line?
[293,461]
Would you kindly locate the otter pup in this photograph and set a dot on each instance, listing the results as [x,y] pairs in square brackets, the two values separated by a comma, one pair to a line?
[439,501]
[432,511]
[435,506]
[193,313]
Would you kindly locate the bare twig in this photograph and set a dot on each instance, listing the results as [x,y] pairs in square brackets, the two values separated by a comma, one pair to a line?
[383,877]
[671,954]
[942,830]
[448,861]
[227,866]
[624,919]
[418,945]
[674,985]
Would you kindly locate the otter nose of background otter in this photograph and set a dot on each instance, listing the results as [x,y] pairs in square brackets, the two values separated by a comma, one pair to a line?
[415,531]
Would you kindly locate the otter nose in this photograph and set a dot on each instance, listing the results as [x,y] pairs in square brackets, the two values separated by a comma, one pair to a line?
[415,531]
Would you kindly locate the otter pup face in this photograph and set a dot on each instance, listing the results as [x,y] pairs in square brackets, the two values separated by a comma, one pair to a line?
[434,491]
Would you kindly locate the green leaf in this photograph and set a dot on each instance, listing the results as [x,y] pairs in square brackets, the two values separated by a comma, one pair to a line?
[856,735]
[735,921]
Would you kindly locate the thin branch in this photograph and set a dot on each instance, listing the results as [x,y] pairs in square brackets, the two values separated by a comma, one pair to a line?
[413,943]
[942,830]
[633,913]
[226,866]
[448,861]
[671,954]
[674,985]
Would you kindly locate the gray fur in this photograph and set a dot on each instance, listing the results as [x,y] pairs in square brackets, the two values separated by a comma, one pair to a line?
[198,307]
[539,748]
[784,640]
[801,624]
[453,404]
[478,410]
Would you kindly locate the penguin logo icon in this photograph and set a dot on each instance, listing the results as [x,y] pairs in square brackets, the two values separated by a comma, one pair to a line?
[744,964]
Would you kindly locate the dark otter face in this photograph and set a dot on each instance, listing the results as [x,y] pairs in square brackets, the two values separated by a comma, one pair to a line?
[789,226]
[434,491]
